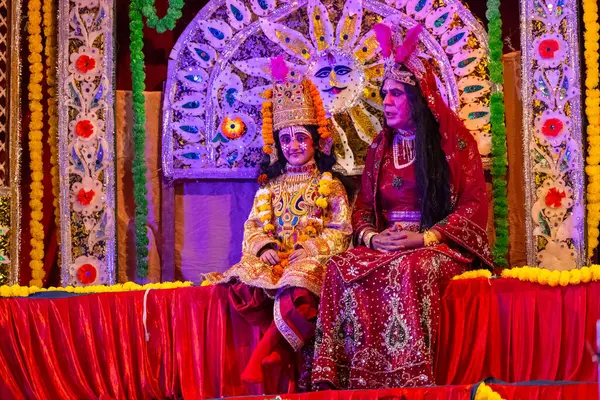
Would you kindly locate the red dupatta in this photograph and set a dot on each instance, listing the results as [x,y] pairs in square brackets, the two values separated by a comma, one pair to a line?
[466,224]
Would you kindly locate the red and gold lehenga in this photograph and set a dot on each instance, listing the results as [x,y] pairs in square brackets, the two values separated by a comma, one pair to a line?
[379,312]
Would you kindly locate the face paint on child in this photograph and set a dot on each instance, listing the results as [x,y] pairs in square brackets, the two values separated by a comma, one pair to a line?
[297,145]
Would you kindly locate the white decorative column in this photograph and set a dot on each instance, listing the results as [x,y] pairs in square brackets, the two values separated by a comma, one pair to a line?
[86,141]
[554,165]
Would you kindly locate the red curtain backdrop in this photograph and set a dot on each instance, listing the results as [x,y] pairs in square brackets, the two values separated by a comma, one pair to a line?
[85,347]
[517,331]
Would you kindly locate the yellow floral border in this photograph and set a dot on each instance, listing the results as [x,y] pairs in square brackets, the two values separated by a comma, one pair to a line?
[592,111]
[24,291]
[484,392]
[34,29]
[554,278]
[541,276]
[478,273]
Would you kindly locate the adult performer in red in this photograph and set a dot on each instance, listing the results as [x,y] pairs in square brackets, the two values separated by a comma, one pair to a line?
[419,219]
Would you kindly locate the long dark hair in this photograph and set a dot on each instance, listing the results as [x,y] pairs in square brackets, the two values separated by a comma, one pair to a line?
[324,162]
[432,172]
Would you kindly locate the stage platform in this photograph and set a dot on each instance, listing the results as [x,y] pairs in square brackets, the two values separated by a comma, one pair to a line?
[188,343]
[521,391]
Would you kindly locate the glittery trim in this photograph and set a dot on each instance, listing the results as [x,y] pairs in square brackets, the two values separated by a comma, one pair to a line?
[86,236]
[402,216]
[531,15]
[288,333]
[14,140]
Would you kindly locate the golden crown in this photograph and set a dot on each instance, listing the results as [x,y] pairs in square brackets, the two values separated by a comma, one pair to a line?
[293,105]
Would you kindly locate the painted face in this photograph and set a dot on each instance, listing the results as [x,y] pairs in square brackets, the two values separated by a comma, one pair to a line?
[338,78]
[396,105]
[296,145]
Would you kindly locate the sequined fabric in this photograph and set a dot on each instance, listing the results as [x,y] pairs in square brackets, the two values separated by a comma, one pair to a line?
[379,312]
[376,331]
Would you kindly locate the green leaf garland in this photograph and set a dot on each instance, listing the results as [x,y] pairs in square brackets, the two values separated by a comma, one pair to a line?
[137,10]
[499,160]
[165,23]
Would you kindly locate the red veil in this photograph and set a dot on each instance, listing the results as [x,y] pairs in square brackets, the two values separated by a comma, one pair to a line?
[466,225]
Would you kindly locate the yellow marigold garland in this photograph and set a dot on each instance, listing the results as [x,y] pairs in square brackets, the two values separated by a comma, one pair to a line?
[24,291]
[479,273]
[484,392]
[592,111]
[265,213]
[554,278]
[35,140]
[50,52]
[324,190]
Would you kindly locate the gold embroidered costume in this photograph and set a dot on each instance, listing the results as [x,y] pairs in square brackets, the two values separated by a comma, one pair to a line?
[299,208]
[297,224]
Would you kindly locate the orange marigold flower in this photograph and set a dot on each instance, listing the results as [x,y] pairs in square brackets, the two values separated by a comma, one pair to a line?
[263,179]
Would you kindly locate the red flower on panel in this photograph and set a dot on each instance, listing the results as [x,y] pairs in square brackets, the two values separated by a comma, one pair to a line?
[86,274]
[554,197]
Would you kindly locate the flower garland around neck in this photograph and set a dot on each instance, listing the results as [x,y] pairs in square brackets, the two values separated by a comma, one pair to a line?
[554,278]
[484,392]
[592,111]
[50,51]
[138,9]
[265,210]
[499,160]
[36,123]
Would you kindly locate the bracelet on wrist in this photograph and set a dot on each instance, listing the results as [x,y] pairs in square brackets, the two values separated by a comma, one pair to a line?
[368,239]
[429,239]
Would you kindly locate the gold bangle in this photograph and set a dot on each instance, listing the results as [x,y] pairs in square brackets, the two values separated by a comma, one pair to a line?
[429,239]
[368,237]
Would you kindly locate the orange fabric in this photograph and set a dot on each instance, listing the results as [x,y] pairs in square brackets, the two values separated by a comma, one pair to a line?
[125,203]
[517,255]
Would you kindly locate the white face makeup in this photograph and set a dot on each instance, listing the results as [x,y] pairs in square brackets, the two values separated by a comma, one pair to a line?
[296,145]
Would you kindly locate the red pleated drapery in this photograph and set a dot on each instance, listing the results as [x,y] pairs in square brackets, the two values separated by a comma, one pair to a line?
[94,346]
[517,331]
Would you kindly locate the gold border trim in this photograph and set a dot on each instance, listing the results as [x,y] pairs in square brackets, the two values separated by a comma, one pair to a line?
[14,137]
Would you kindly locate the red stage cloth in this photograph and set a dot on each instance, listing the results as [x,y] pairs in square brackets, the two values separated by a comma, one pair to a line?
[508,392]
[429,393]
[517,331]
[92,346]
[579,391]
